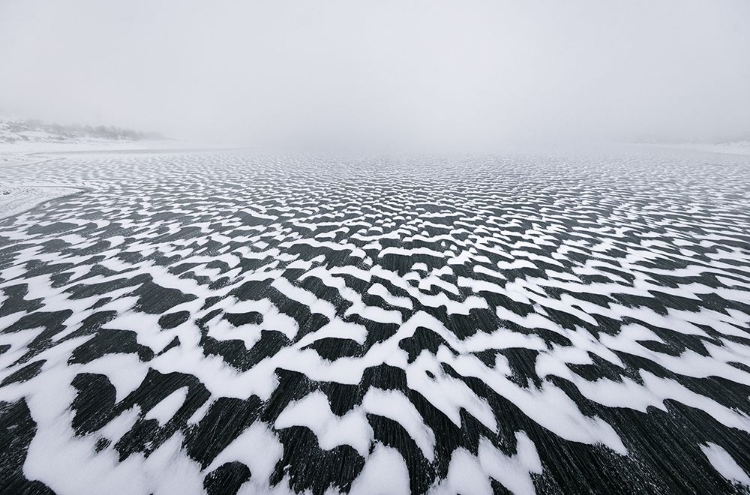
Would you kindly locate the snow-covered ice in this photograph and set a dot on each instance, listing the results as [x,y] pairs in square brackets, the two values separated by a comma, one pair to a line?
[233,321]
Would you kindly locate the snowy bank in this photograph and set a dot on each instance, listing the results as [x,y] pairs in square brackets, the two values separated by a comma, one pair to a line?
[17,199]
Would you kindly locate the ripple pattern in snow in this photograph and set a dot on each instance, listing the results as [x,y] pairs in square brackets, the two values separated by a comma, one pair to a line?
[228,322]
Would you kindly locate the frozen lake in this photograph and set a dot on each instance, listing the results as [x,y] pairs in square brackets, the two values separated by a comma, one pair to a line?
[554,323]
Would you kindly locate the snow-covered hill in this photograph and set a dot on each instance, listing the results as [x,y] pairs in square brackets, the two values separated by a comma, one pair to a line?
[35,131]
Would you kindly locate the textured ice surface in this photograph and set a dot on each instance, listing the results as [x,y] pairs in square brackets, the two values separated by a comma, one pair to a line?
[231,321]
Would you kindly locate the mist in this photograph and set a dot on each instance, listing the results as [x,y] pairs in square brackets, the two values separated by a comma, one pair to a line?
[468,74]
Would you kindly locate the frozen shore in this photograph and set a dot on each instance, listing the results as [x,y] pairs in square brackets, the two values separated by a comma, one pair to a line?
[17,199]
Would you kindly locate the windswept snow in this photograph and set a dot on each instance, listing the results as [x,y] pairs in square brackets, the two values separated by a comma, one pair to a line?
[241,322]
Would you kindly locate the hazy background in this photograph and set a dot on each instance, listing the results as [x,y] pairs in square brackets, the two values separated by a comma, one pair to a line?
[469,73]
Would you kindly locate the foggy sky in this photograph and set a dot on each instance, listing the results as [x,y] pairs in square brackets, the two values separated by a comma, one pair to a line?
[468,72]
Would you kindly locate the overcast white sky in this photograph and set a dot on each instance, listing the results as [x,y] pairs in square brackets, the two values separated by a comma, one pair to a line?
[468,71]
